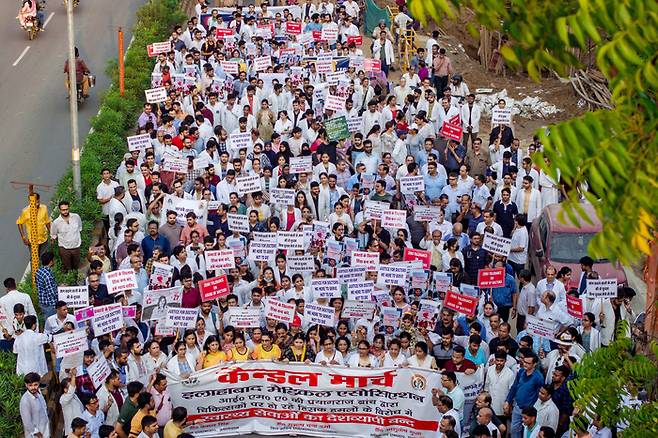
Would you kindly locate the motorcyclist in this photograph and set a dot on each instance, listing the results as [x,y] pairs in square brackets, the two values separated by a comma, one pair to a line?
[81,74]
[30,9]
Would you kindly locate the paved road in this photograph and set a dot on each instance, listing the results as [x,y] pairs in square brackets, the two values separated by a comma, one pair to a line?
[34,117]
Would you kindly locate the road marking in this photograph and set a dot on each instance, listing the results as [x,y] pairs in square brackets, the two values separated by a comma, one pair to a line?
[21,57]
[48,19]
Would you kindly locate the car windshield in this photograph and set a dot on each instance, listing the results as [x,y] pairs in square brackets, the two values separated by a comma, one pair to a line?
[570,247]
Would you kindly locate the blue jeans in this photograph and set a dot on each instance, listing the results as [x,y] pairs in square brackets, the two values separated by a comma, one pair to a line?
[516,429]
[47,310]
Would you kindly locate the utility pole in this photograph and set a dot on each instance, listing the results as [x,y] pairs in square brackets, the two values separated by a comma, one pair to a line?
[73,103]
[121,66]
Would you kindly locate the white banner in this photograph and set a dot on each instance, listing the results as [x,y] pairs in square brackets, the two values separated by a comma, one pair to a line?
[326,287]
[182,207]
[602,288]
[70,343]
[360,291]
[220,259]
[107,319]
[178,317]
[282,196]
[411,184]
[74,296]
[121,280]
[318,314]
[240,317]
[291,240]
[497,244]
[262,251]
[238,222]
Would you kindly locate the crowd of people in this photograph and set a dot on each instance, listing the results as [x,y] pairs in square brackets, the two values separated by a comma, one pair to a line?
[485,182]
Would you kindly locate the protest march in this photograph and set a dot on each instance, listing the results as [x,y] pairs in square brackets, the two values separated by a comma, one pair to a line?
[305,238]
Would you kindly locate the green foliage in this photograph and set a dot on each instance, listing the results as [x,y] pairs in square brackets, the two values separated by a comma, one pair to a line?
[11,391]
[611,152]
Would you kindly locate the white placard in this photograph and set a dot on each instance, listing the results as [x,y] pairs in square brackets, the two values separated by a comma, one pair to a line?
[501,116]
[326,287]
[161,275]
[290,240]
[238,222]
[138,142]
[262,251]
[540,327]
[373,209]
[200,163]
[335,103]
[260,236]
[280,311]
[318,314]
[98,372]
[282,196]
[394,219]
[329,32]
[107,319]
[156,95]
[412,184]
[70,343]
[176,165]
[240,140]
[351,275]
[262,63]
[390,275]
[241,317]
[74,296]
[361,291]
[182,207]
[497,244]
[179,317]
[161,47]
[354,123]
[302,263]
[118,281]
[220,259]
[301,164]
[358,309]
[247,184]
[230,67]
[156,302]
[602,288]
[370,260]
[426,214]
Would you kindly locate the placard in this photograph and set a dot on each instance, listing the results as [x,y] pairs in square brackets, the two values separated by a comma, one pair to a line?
[361,291]
[390,316]
[179,317]
[489,278]
[247,184]
[452,131]
[84,314]
[156,95]
[426,214]
[282,196]
[302,263]
[428,309]
[107,319]
[501,116]
[138,142]
[98,371]
[161,275]
[220,259]
[214,288]
[121,280]
[370,64]
[335,103]
[326,287]
[442,281]
[460,303]
[182,207]
[540,327]
[329,32]
[230,67]
[224,33]
[350,275]
[337,128]
[356,40]
[129,311]
[244,317]
[290,240]
[262,63]
[602,288]
[238,222]
[411,254]
[157,48]
[200,163]
[318,314]
[390,275]
[354,124]
[74,296]
[70,343]
[370,260]
[155,302]
[262,251]
[497,244]
[374,209]
[293,28]
[575,306]
[260,236]
[301,164]
[280,311]
[394,219]
[176,165]
[412,184]
[240,140]
[358,309]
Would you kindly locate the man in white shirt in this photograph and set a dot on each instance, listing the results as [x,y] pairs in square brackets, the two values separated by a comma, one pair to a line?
[66,230]
[29,348]
[470,116]
[528,200]
[105,191]
[498,381]
[489,221]
[550,283]
[13,297]
[547,411]
[519,248]
[34,412]
[55,323]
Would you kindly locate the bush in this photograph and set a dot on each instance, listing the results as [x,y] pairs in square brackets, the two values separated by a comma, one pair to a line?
[11,391]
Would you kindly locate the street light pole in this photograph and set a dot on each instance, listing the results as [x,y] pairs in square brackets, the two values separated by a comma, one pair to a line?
[73,102]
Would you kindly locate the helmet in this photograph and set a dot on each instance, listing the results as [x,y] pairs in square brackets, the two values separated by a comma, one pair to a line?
[457,77]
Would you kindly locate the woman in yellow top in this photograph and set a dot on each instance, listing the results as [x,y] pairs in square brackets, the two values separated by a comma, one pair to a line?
[266,350]
[211,355]
[239,351]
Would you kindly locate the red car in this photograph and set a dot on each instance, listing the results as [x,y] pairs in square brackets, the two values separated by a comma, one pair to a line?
[555,243]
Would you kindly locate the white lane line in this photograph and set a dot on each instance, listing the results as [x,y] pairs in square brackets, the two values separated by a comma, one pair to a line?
[48,19]
[21,56]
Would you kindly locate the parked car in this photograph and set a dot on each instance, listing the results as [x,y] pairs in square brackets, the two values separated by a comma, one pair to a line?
[563,244]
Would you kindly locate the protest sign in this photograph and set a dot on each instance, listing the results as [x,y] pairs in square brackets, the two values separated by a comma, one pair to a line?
[261,63]
[161,275]
[460,303]
[70,343]
[178,317]
[176,165]
[423,213]
[238,247]
[488,278]
[262,251]
[318,314]
[325,287]
[472,384]
[329,32]
[469,289]
[411,254]
[301,164]
[98,372]
[370,64]
[156,95]
[356,40]
[354,123]
[290,240]
[374,209]
[428,309]
[540,327]
[121,280]
[282,196]
[391,275]
[293,28]
[200,163]
[220,259]
[129,311]
[602,288]
[302,263]
[244,317]
[418,278]
[361,291]
[335,103]
[390,316]
[247,184]
[501,116]
[74,296]
[337,128]
[497,244]
[230,67]
[213,288]
[395,219]
[451,131]
[370,260]
[138,142]
[442,281]
[358,309]
[155,302]
[107,319]
[156,48]
[260,236]
[575,306]
[240,140]
[182,207]
[411,184]
[350,275]
[238,222]
[279,310]
[84,314]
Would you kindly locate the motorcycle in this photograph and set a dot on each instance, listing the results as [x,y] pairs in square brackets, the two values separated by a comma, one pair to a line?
[75,3]
[32,23]
[91,80]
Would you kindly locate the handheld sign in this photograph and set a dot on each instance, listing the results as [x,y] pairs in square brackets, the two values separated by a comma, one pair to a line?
[497,244]
[575,306]
[501,116]
[220,259]
[602,288]
[280,311]
[118,281]
[460,303]
[74,296]
[540,327]
[451,131]
[213,288]
[411,254]
[488,278]
[156,95]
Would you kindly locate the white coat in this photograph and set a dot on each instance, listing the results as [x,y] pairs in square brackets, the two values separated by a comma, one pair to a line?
[388,50]
[534,206]
[473,114]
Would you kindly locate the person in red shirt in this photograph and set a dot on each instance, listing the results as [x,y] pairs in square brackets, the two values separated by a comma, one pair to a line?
[179,140]
[458,364]
[191,295]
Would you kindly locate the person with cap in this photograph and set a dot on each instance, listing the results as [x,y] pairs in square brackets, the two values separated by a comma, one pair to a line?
[562,355]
